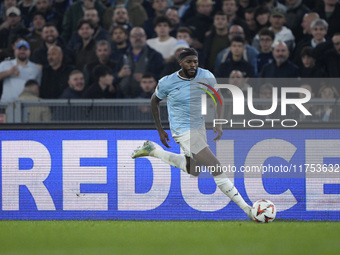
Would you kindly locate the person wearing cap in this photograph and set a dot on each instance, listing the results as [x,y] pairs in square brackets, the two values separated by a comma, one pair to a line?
[181,89]
[14,27]
[14,73]
[282,33]
[173,65]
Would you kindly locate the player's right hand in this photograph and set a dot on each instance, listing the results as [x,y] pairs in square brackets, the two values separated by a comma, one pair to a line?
[164,138]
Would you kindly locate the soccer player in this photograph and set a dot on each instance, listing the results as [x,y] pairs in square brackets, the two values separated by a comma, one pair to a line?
[187,124]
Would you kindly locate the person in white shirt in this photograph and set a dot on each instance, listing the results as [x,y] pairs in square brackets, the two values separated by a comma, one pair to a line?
[163,42]
[17,71]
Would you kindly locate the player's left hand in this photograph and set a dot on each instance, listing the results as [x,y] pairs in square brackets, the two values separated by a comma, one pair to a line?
[219,131]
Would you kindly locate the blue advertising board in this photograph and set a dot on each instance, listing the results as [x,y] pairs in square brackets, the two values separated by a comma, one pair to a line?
[89,174]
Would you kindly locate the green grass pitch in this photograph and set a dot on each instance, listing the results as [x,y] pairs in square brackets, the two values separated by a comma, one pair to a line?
[168,237]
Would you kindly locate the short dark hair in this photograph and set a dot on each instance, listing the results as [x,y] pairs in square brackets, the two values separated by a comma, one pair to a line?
[38,13]
[126,31]
[148,75]
[220,13]
[74,72]
[50,24]
[307,51]
[31,83]
[237,39]
[266,31]
[101,71]
[184,30]
[187,52]
[85,21]
[161,19]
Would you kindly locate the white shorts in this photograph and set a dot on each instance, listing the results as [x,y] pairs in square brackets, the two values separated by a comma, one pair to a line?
[192,141]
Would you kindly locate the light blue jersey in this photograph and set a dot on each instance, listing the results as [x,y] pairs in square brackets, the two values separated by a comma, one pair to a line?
[184,99]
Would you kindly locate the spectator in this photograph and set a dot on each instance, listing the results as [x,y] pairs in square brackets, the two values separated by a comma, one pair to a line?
[308,18]
[296,10]
[328,112]
[139,59]
[266,92]
[319,30]
[266,55]
[103,52]
[173,66]
[12,27]
[14,73]
[76,85]
[55,75]
[35,113]
[330,11]
[331,60]
[85,52]
[9,52]
[148,85]
[99,32]
[271,4]
[163,42]
[240,80]
[201,22]
[182,7]
[309,68]
[51,14]
[120,43]
[243,6]
[120,18]
[27,8]
[281,67]
[35,37]
[103,85]
[249,54]
[137,14]
[76,12]
[236,60]
[51,37]
[261,15]
[251,23]
[175,22]
[216,41]
[282,33]
[230,8]
[160,7]
[4,6]
[295,113]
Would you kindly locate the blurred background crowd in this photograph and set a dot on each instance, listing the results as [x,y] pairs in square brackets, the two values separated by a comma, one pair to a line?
[96,49]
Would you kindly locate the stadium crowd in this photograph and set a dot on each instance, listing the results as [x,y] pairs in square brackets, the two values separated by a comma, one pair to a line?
[120,48]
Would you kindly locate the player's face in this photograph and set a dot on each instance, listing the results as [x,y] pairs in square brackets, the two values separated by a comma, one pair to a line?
[189,66]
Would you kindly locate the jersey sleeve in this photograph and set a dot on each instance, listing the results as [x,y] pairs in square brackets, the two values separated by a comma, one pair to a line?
[211,80]
[161,89]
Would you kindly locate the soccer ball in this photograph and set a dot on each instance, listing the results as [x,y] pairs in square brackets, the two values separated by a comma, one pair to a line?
[263,211]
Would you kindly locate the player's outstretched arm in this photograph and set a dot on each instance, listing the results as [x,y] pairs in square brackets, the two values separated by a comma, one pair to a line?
[155,113]
[219,115]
